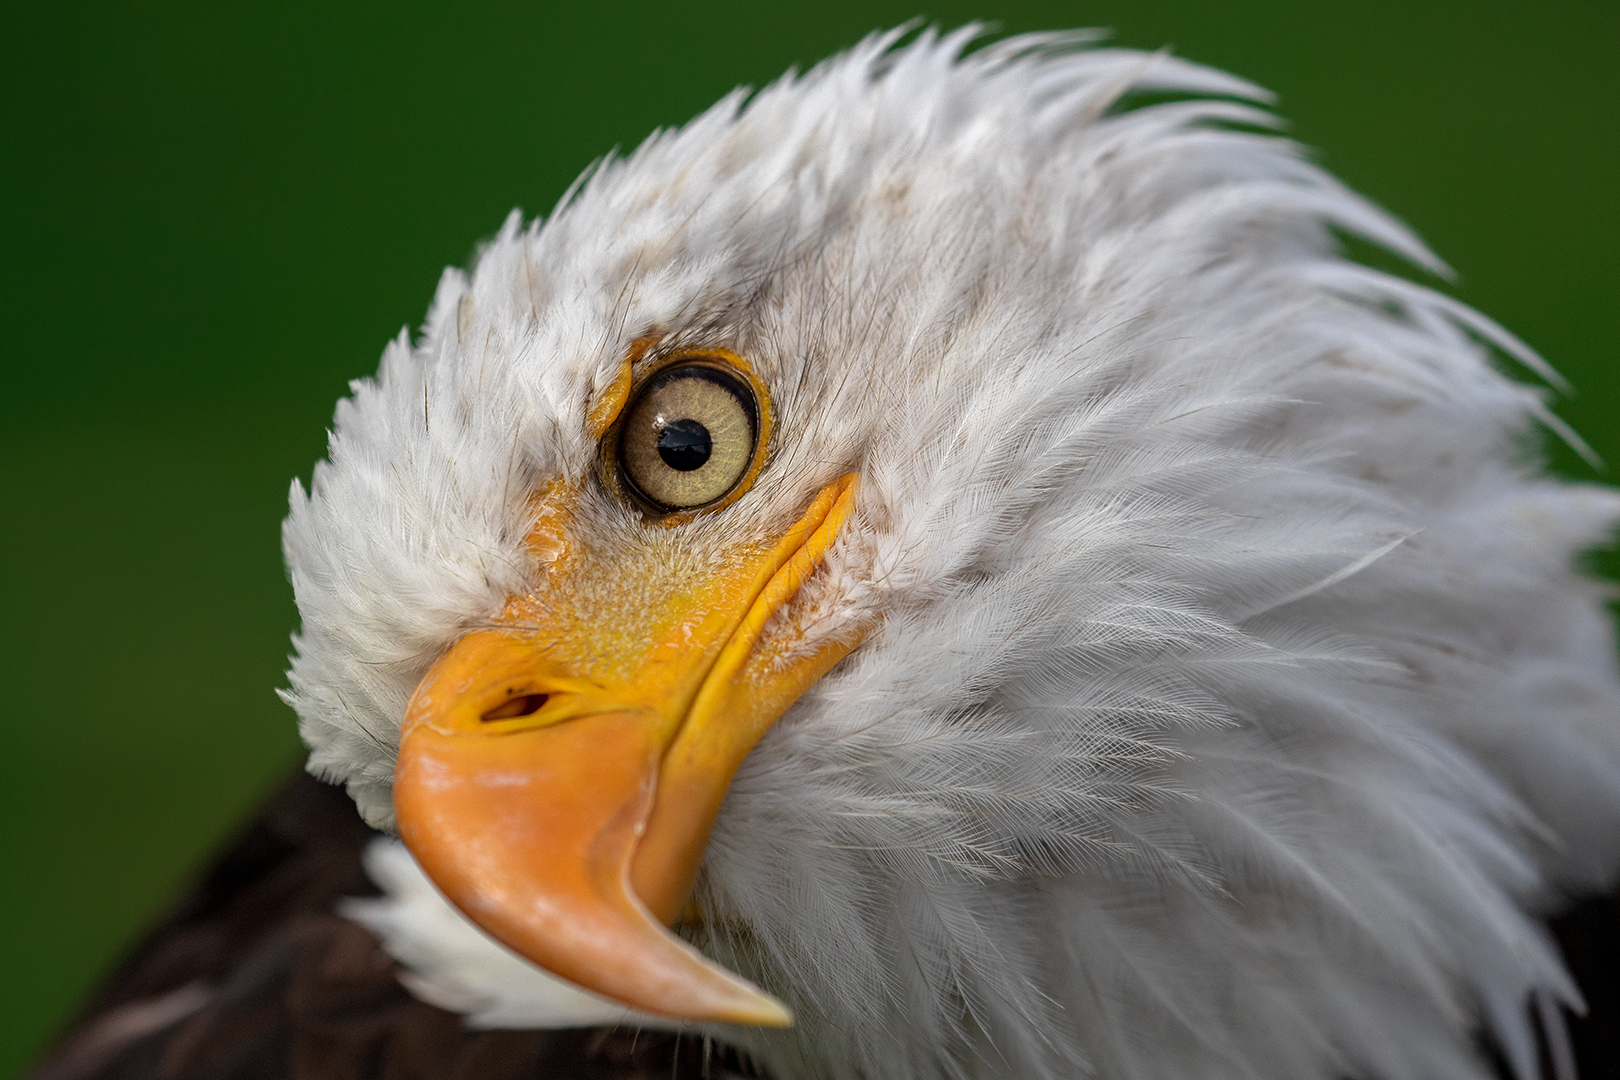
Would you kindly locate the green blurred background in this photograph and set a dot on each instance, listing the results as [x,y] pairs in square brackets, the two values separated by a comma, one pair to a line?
[215,215]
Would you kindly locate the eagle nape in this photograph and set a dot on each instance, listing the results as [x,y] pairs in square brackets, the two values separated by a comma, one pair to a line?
[943,568]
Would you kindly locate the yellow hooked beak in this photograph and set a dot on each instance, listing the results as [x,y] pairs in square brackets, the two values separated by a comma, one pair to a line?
[558,782]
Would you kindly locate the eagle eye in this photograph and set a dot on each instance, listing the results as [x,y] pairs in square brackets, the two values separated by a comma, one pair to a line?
[688,436]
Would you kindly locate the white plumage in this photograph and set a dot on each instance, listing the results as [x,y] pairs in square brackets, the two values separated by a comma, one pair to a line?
[1229,704]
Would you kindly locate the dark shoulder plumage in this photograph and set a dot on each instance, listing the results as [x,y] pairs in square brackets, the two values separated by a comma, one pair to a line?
[254,976]
[1589,937]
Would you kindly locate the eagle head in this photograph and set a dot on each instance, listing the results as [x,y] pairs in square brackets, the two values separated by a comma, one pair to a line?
[953,537]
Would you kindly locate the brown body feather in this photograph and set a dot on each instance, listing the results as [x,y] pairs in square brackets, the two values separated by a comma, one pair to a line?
[254,976]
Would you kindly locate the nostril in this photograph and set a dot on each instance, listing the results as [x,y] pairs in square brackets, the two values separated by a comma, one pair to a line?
[522,705]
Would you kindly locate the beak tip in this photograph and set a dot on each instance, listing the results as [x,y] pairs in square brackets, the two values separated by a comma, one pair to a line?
[764,1011]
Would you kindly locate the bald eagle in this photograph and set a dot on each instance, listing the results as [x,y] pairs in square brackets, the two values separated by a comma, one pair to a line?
[941,568]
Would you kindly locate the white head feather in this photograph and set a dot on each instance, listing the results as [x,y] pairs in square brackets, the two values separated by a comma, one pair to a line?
[1233,706]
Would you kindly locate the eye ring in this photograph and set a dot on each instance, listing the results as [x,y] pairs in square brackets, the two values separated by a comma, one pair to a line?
[690,437]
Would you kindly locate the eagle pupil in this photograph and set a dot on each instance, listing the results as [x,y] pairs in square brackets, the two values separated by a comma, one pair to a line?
[684,445]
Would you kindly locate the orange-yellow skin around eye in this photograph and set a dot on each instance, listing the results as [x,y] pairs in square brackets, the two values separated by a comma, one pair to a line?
[573,833]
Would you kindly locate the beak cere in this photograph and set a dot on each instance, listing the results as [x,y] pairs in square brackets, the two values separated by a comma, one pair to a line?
[561,791]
